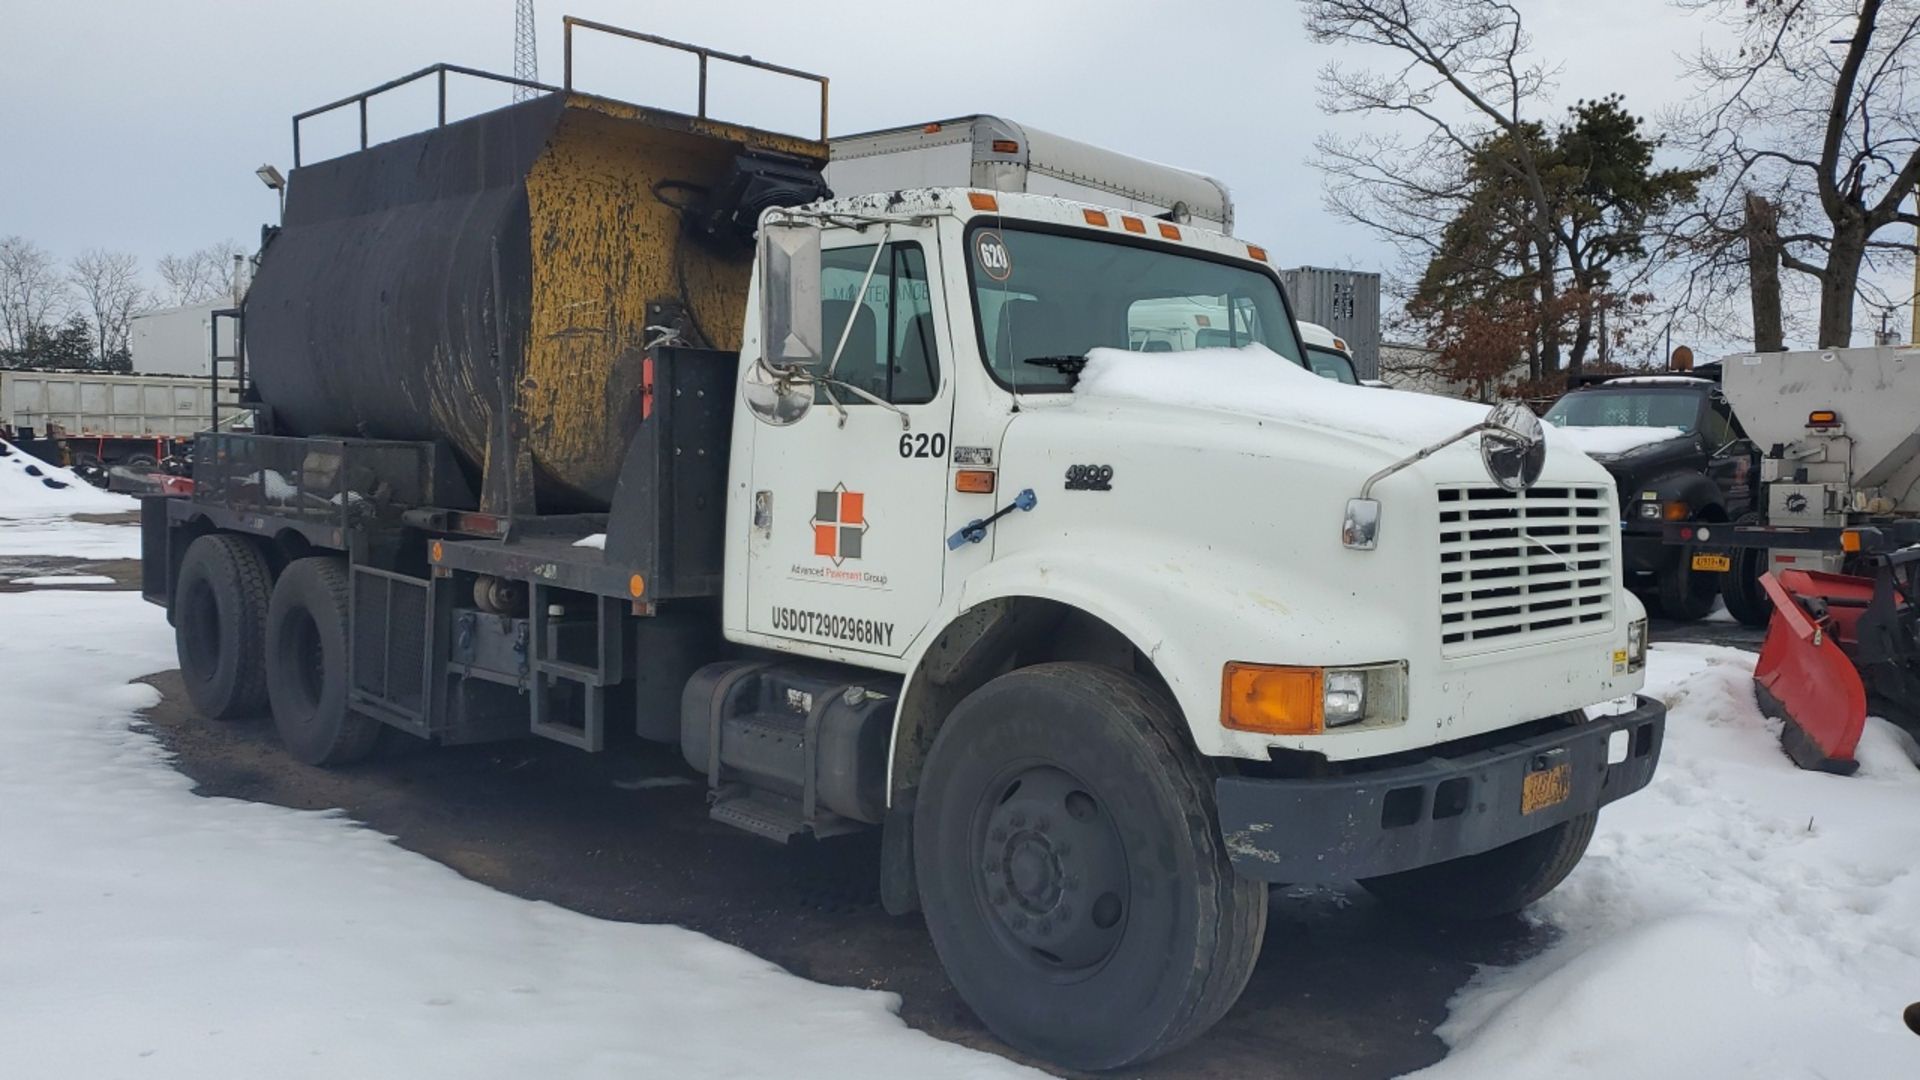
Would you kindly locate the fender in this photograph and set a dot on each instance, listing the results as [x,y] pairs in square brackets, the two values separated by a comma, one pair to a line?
[1702,496]
[1187,612]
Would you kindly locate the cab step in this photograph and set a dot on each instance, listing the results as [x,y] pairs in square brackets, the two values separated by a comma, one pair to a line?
[776,818]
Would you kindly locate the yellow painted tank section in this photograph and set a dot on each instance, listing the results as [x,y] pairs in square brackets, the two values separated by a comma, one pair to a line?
[606,240]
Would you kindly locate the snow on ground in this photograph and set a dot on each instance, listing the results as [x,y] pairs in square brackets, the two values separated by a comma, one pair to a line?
[1617,440]
[35,498]
[58,580]
[148,932]
[1738,918]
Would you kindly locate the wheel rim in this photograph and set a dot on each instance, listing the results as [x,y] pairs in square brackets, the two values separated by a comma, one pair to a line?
[301,656]
[200,626]
[1050,871]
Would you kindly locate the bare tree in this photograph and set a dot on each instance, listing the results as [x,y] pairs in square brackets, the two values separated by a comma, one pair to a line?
[1813,124]
[211,273]
[109,286]
[1464,76]
[32,294]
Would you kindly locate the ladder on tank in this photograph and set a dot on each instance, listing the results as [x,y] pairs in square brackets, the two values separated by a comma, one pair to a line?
[228,371]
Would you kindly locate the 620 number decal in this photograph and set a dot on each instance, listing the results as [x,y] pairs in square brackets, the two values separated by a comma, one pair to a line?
[929,446]
[1089,478]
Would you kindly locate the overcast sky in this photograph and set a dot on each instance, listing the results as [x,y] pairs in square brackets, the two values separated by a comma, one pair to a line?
[138,125]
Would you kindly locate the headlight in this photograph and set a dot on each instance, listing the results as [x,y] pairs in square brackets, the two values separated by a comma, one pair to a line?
[1278,700]
[1650,510]
[1345,697]
[1636,644]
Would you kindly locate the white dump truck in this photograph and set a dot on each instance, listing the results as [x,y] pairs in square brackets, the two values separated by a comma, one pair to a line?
[591,422]
[108,418]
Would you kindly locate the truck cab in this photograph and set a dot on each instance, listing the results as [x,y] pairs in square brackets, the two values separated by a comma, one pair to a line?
[1678,454]
[1327,354]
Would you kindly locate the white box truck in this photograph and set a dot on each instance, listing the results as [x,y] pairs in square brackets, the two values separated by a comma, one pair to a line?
[992,153]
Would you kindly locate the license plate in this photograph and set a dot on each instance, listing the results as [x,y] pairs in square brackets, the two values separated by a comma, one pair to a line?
[1719,564]
[1548,787]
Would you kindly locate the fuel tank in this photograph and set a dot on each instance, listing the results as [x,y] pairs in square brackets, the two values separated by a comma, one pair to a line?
[489,283]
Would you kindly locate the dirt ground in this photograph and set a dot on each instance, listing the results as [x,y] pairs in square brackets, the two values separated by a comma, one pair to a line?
[1343,988]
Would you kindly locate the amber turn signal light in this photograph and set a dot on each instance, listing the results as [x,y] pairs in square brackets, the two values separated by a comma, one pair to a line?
[1822,418]
[981,200]
[974,481]
[1095,217]
[1272,700]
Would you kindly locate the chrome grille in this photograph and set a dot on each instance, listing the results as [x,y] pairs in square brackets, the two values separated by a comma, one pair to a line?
[1518,568]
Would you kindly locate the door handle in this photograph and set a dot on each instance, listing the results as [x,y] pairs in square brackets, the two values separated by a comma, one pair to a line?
[976,530]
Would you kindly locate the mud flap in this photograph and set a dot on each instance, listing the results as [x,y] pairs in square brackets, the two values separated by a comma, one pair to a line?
[1805,680]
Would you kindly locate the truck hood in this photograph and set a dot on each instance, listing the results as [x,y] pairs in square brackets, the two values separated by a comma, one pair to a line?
[1283,406]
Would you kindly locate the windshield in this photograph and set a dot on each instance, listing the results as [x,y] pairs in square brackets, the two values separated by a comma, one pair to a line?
[1331,364]
[1627,407]
[1041,295]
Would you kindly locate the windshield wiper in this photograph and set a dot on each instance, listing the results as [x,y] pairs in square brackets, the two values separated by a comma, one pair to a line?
[1070,366]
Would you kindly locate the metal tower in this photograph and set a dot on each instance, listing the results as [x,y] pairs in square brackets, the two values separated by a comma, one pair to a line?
[526,60]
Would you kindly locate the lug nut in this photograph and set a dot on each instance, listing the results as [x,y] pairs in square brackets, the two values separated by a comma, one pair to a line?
[1019,821]
[999,898]
[999,834]
[1045,926]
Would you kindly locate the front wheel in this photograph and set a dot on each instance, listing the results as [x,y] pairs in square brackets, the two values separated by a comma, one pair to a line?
[1686,594]
[1072,873]
[1492,883]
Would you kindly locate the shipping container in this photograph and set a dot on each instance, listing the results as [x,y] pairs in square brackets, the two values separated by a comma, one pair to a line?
[1346,302]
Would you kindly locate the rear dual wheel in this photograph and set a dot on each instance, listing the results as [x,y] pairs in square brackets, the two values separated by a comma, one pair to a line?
[219,625]
[1072,873]
[306,666]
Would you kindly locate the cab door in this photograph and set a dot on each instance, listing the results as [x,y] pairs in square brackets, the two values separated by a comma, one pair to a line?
[1729,454]
[848,533]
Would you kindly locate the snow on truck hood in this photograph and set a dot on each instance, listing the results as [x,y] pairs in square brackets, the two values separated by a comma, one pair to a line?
[1612,441]
[1256,381]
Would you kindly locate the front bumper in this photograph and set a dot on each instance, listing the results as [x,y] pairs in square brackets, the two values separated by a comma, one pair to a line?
[1371,823]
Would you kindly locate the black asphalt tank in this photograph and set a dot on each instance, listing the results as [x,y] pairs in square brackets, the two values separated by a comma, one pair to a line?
[487,284]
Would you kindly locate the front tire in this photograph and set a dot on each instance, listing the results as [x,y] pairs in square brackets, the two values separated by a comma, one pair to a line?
[219,625]
[1687,595]
[1072,873]
[1492,883]
[307,666]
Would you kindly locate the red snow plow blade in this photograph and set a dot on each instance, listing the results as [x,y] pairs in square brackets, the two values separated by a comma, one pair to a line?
[1806,676]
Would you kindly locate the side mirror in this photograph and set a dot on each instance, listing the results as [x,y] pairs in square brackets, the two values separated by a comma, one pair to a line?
[789,261]
[789,267]
[1513,446]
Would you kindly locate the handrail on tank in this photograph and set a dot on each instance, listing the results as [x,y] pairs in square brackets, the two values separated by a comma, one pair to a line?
[440,70]
[705,54]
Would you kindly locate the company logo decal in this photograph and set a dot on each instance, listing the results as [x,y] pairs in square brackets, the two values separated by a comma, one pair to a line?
[839,523]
